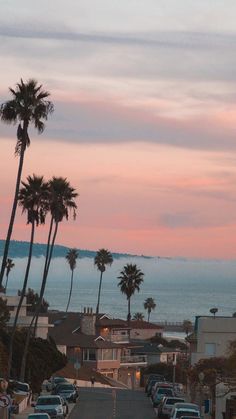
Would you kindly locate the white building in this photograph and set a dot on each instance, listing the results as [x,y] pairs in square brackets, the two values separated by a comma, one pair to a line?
[24,319]
[211,337]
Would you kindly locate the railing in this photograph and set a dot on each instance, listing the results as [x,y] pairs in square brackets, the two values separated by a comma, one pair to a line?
[119,338]
[134,359]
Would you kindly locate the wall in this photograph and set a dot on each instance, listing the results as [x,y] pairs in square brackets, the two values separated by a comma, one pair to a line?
[219,331]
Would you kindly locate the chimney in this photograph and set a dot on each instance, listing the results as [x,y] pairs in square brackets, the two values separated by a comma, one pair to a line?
[88,321]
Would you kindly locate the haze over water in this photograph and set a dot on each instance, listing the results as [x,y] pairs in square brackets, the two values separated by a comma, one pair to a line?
[182,289]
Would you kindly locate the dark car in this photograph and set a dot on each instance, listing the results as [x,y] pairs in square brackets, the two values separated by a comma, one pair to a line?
[67,391]
[54,381]
[157,377]
[150,385]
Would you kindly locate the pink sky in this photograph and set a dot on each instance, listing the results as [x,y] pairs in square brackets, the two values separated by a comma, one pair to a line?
[144,122]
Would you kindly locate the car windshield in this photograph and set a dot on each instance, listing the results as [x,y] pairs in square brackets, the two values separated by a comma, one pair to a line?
[59,380]
[166,391]
[38,416]
[187,413]
[43,401]
[65,387]
[22,387]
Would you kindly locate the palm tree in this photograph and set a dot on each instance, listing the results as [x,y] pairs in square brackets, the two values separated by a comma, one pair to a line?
[61,200]
[32,198]
[9,265]
[130,278]
[138,316]
[29,105]
[102,259]
[71,257]
[213,311]
[149,305]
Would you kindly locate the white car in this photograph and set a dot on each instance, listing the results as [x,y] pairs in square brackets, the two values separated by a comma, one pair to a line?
[185,409]
[166,406]
[53,405]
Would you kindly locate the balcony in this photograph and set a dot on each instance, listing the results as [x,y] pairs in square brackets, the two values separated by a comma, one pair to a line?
[120,338]
[129,360]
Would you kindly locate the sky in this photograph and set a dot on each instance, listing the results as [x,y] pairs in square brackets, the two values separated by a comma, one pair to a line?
[144,122]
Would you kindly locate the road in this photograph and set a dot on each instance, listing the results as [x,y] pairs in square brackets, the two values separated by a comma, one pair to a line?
[99,403]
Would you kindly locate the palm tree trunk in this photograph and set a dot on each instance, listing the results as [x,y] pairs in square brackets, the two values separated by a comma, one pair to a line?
[13,213]
[149,312]
[7,275]
[99,293]
[21,298]
[129,317]
[71,286]
[46,269]
[45,278]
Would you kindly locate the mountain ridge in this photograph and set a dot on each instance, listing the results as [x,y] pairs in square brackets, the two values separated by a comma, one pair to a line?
[19,249]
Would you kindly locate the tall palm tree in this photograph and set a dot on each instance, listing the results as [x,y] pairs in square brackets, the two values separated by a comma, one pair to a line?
[149,305]
[29,105]
[138,316]
[61,200]
[71,258]
[130,278]
[102,259]
[32,197]
[9,265]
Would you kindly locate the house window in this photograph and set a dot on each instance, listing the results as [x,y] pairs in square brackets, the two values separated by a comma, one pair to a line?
[210,349]
[107,354]
[89,355]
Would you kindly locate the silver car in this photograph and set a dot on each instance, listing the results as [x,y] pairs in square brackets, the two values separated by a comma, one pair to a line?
[53,405]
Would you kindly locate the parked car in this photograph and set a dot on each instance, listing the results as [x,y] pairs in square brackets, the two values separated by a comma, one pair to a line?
[66,390]
[150,385]
[53,405]
[166,406]
[19,387]
[38,416]
[185,409]
[158,385]
[160,393]
[157,377]
[54,381]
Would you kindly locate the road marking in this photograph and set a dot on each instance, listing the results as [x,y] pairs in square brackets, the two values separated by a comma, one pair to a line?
[114,402]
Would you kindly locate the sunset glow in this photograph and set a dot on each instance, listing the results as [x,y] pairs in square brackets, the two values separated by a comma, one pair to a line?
[144,122]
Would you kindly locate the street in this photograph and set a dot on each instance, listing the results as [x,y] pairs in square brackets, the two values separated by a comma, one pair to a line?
[99,403]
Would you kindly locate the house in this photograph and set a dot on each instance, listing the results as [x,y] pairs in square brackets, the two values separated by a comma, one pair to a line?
[211,337]
[102,345]
[25,318]
[156,353]
[140,329]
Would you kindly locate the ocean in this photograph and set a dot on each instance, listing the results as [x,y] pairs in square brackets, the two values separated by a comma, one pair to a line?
[182,289]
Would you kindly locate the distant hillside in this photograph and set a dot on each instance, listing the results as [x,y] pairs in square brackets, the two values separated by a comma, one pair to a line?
[20,249]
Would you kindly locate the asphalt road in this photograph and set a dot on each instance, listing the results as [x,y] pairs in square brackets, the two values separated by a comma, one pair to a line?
[99,403]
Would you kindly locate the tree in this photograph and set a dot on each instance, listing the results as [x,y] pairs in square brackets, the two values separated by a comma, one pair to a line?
[9,266]
[32,300]
[130,278]
[33,200]
[149,305]
[213,311]
[4,313]
[187,326]
[61,200]
[71,258]
[102,259]
[138,316]
[29,105]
